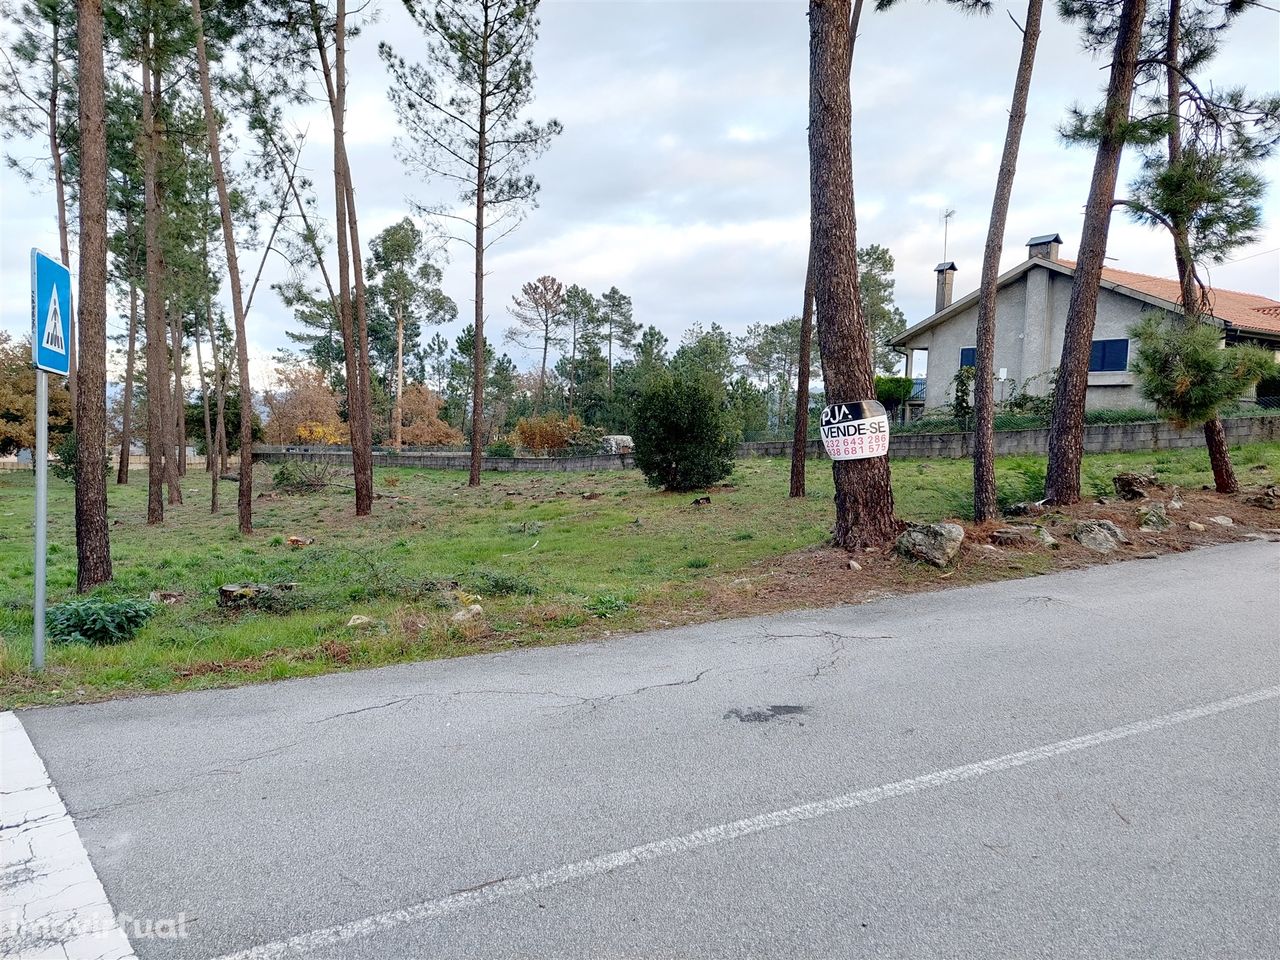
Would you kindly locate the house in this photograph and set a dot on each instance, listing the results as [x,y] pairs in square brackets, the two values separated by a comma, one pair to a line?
[1031,311]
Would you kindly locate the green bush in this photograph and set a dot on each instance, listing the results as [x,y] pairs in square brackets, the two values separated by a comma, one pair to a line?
[683,431]
[500,448]
[64,458]
[97,622]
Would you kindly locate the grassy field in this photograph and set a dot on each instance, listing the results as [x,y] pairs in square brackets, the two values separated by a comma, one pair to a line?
[550,557]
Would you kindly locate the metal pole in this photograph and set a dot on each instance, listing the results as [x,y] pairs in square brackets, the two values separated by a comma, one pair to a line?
[42,513]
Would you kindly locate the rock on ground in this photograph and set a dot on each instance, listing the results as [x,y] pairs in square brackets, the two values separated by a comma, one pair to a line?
[1100,536]
[933,543]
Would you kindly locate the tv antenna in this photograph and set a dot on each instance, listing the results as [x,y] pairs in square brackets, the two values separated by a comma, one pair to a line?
[945,217]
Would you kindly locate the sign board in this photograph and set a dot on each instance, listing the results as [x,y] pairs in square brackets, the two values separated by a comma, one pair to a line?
[50,314]
[855,431]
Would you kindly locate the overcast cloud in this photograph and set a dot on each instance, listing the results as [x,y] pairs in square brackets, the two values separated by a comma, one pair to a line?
[681,176]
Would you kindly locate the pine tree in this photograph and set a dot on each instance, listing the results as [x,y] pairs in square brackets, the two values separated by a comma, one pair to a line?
[462,114]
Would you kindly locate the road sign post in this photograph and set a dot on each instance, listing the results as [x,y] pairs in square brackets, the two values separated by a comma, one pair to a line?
[50,336]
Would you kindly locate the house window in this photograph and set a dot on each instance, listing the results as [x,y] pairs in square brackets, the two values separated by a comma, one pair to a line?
[968,356]
[1109,356]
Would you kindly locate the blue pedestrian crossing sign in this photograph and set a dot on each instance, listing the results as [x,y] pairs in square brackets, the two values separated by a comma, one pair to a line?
[50,313]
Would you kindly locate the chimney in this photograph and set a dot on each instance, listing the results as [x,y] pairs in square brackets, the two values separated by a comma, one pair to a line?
[946,282]
[1045,246]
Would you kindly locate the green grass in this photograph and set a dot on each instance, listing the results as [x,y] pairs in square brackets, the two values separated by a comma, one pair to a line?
[548,559]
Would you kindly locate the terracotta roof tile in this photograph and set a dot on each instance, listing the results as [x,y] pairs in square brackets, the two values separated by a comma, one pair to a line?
[1248,311]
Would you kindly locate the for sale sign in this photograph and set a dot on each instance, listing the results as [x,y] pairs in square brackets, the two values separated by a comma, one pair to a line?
[855,431]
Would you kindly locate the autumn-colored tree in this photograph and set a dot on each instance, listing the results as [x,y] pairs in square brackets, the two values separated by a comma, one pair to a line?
[423,426]
[18,399]
[303,408]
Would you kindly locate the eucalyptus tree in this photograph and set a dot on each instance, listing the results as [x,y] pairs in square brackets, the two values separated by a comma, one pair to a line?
[539,316]
[461,111]
[404,293]
[1120,29]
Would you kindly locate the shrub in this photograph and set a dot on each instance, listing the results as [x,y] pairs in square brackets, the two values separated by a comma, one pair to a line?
[893,392]
[495,583]
[682,432]
[500,448]
[295,476]
[97,622]
[547,433]
[64,458]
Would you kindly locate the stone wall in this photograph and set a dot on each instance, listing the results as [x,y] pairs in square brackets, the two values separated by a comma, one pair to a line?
[428,460]
[1098,438]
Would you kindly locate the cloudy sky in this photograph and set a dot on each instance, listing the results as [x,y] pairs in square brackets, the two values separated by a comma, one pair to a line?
[681,176]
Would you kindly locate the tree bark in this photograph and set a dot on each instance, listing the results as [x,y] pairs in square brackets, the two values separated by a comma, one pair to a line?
[361,455]
[985,506]
[220,418]
[93,540]
[399,406]
[179,398]
[864,497]
[800,437]
[209,453]
[1224,475]
[244,499]
[153,306]
[126,415]
[1066,429]
[60,194]
[477,363]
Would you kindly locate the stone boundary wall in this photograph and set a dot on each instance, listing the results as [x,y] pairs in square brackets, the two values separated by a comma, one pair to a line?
[426,460]
[1098,438]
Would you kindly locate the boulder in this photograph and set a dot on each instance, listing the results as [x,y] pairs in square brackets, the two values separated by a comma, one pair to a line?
[466,614]
[1222,521]
[1133,486]
[855,566]
[933,543]
[1100,536]
[360,620]
[1196,527]
[1153,518]
[1023,535]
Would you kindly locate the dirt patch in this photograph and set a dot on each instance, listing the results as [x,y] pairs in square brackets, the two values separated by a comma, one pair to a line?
[822,576]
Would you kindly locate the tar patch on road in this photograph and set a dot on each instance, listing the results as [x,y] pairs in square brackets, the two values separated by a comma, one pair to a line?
[779,711]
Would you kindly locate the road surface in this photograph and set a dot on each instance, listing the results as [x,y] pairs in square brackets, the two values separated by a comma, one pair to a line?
[1078,765]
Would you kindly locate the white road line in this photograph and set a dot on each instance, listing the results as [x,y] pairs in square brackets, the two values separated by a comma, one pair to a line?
[708,836]
[54,903]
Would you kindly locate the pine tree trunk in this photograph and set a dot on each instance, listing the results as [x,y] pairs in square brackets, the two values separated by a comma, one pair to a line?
[985,506]
[477,365]
[153,305]
[173,409]
[204,403]
[60,196]
[219,449]
[93,540]
[399,409]
[864,497]
[244,499]
[1215,438]
[1066,429]
[361,456]
[126,415]
[800,437]
[179,396]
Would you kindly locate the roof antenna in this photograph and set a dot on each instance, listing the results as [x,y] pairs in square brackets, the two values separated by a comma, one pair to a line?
[945,217]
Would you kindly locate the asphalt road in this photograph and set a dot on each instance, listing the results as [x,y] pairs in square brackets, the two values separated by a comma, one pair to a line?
[917,777]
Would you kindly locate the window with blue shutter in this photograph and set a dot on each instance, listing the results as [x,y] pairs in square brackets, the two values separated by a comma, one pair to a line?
[968,356]
[1109,356]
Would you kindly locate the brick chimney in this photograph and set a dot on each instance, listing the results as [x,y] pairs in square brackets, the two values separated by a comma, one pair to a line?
[946,283]
[1046,246]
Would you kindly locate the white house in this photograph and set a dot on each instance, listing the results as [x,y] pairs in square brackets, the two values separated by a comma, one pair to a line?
[1031,311]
